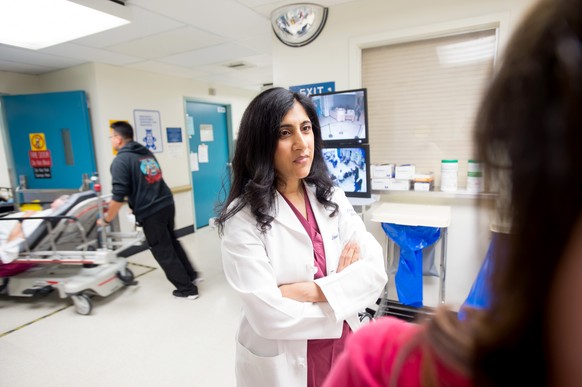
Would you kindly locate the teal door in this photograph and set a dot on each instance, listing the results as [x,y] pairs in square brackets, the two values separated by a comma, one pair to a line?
[50,139]
[207,127]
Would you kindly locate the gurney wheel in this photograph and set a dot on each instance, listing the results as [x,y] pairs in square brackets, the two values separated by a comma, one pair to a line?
[128,278]
[83,304]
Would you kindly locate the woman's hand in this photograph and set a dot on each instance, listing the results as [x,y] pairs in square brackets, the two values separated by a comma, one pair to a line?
[310,291]
[349,255]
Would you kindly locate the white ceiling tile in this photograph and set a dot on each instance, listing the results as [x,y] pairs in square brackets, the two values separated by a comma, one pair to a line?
[164,68]
[219,53]
[90,54]
[187,38]
[144,23]
[258,60]
[222,17]
[261,43]
[168,43]
[24,68]
[36,58]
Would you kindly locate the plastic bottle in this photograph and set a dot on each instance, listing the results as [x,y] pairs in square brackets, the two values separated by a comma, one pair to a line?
[474,177]
[449,175]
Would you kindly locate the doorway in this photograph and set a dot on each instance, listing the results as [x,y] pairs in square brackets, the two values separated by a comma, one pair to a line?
[208,126]
[49,141]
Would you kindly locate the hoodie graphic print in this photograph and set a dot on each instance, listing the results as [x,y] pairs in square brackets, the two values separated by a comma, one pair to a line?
[151,169]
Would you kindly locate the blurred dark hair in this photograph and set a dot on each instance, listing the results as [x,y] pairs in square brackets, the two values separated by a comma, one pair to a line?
[124,129]
[527,134]
[529,130]
[254,179]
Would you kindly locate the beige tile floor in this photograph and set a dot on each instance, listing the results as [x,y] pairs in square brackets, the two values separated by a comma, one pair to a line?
[139,336]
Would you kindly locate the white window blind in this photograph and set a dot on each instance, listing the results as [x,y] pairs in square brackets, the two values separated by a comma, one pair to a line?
[423,97]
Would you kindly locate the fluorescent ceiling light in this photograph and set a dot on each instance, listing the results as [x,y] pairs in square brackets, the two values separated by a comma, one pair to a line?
[37,24]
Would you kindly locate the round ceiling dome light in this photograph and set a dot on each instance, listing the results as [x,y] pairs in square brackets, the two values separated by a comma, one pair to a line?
[298,24]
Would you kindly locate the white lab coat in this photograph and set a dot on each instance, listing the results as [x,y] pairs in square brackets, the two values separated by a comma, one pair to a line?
[271,343]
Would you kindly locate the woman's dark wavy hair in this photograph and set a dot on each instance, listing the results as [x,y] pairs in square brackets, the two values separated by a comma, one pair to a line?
[254,179]
[528,135]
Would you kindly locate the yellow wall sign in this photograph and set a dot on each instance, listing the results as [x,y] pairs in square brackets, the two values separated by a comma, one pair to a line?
[37,141]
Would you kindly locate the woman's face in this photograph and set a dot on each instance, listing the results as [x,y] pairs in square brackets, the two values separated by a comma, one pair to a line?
[294,153]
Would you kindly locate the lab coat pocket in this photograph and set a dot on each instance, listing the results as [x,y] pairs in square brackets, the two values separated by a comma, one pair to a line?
[253,370]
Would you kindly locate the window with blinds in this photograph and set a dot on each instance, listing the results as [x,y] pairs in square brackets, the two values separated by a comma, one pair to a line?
[423,97]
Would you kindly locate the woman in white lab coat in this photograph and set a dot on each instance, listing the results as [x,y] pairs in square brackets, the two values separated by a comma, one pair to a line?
[293,248]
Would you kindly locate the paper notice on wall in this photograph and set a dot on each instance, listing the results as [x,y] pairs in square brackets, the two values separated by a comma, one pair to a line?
[202,153]
[148,129]
[194,162]
[190,125]
[174,150]
[206,133]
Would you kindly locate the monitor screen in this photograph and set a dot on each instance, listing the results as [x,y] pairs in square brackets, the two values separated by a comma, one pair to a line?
[343,116]
[349,168]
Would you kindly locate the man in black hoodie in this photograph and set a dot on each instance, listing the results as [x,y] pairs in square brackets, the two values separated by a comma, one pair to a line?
[136,174]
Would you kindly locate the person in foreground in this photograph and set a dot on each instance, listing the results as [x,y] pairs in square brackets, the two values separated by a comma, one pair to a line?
[136,174]
[529,128]
[293,248]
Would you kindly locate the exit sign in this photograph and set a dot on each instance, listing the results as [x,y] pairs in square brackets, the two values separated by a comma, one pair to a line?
[314,88]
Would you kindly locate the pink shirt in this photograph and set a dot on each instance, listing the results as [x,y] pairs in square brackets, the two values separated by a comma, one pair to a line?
[371,352]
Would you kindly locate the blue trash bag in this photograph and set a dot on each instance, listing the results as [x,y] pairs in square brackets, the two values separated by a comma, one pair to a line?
[479,295]
[411,240]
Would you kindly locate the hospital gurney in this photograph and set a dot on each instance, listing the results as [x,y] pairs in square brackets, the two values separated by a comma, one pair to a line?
[72,255]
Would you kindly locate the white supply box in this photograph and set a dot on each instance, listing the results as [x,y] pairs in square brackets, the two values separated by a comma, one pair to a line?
[422,186]
[404,172]
[381,184]
[380,171]
[399,185]
[391,185]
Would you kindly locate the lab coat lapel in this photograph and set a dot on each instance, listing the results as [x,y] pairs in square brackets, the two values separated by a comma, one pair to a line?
[321,215]
[286,217]
[327,229]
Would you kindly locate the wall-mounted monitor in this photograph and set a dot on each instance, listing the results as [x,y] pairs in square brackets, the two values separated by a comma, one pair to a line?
[349,168]
[343,116]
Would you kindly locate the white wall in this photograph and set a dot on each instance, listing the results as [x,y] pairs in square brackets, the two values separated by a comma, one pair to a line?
[329,57]
[115,92]
[335,56]
[12,83]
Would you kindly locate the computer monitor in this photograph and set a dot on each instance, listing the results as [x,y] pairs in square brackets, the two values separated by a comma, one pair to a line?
[349,168]
[343,116]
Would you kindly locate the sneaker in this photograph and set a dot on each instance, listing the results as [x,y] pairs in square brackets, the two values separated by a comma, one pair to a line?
[197,279]
[189,295]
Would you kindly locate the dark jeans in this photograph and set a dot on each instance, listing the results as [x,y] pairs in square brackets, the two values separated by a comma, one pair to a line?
[167,250]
